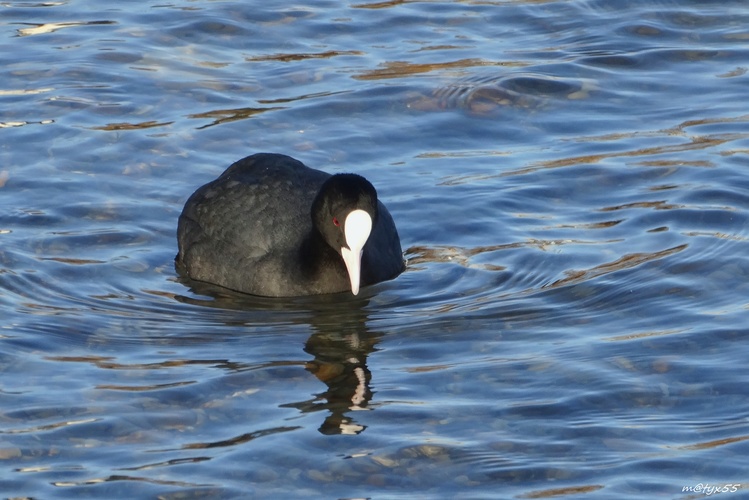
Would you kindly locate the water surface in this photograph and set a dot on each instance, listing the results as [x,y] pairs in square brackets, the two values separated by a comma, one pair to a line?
[569,180]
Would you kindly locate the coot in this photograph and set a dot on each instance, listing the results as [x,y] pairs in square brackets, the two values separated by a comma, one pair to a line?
[271,226]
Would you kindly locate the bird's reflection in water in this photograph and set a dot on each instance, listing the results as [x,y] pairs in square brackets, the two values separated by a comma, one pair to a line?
[340,346]
[341,364]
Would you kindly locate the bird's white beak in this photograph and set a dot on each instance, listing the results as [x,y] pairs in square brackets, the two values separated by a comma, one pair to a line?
[356,228]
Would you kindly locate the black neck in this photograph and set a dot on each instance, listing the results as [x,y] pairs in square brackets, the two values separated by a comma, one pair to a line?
[315,254]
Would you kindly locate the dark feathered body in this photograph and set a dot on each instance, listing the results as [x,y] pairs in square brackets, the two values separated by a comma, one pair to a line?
[251,230]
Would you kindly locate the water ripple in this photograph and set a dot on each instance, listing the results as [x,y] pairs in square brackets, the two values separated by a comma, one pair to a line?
[568,178]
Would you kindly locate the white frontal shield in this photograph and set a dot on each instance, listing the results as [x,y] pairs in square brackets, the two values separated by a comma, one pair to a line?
[356,228]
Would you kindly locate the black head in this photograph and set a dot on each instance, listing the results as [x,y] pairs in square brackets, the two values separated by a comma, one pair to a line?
[340,195]
[344,212]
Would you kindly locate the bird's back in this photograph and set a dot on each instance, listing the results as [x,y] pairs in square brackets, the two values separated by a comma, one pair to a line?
[248,221]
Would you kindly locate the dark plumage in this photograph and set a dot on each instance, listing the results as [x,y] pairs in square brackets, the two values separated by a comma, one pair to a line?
[269,225]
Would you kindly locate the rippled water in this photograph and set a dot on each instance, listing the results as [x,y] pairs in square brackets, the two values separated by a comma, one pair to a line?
[571,181]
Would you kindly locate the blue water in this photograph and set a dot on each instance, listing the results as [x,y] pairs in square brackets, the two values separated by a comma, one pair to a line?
[570,180]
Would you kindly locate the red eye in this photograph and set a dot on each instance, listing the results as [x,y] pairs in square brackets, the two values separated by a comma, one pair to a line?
[335,221]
